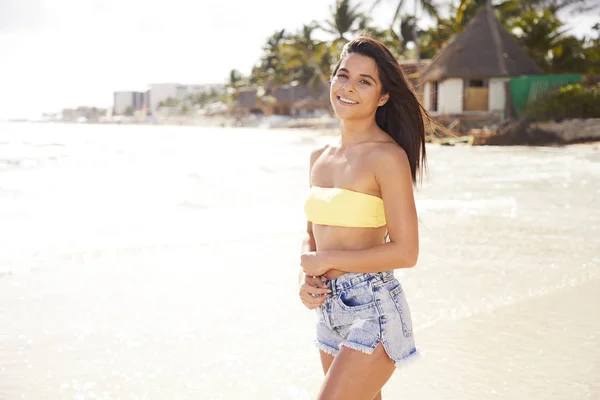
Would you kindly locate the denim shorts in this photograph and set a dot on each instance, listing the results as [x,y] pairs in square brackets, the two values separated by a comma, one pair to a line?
[364,310]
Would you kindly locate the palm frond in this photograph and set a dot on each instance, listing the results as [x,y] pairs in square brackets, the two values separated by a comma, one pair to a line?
[429,8]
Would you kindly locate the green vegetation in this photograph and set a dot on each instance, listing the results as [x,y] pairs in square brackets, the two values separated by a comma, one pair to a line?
[305,56]
[299,56]
[191,102]
[570,101]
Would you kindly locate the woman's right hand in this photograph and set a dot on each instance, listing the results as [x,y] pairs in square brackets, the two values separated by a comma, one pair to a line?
[313,286]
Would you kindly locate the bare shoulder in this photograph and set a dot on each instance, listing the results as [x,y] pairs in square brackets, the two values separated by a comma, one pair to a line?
[389,156]
[316,153]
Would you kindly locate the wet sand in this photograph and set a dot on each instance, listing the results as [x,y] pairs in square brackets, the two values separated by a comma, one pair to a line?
[140,263]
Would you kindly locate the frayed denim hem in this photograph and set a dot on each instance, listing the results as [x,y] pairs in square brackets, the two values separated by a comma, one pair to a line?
[326,349]
[408,359]
[359,347]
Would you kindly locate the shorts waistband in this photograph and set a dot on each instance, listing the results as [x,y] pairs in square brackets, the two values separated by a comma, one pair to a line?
[352,278]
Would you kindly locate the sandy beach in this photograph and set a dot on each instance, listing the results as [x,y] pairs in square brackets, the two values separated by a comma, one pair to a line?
[161,263]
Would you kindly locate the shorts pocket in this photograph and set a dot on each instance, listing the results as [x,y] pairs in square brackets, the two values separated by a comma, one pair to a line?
[402,306]
[358,297]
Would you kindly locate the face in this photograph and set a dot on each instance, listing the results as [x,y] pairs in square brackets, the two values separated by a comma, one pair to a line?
[356,90]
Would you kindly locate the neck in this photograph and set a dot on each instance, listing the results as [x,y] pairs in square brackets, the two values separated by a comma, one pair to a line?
[357,131]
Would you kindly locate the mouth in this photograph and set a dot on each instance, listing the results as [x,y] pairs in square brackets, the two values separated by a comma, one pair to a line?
[345,101]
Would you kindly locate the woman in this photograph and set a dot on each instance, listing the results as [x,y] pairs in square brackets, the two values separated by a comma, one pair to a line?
[362,223]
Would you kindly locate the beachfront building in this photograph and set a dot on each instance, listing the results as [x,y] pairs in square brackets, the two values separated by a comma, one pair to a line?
[80,114]
[300,100]
[160,92]
[468,77]
[286,100]
[129,102]
[247,102]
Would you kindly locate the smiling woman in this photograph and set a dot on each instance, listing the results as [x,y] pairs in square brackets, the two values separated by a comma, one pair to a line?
[362,223]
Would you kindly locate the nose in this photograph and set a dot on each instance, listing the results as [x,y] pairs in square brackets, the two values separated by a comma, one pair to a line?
[348,87]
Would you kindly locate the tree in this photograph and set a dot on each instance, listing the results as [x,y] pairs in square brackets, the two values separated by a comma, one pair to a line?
[540,33]
[434,38]
[168,102]
[235,80]
[308,60]
[344,19]
[386,36]
[427,5]
[514,8]
[592,51]
[270,68]
[534,23]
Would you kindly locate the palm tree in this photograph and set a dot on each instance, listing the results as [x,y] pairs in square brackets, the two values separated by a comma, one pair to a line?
[433,39]
[513,8]
[427,5]
[235,79]
[386,36]
[270,68]
[344,19]
[307,59]
[540,33]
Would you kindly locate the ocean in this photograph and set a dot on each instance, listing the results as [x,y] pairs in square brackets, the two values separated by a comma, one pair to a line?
[161,262]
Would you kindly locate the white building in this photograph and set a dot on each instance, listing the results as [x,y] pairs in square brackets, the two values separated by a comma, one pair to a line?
[160,92]
[468,75]
[128,101]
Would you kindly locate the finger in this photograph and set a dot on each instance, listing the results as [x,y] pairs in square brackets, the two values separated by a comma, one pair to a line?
[312,282]
[314,290]
[308,298]
[307,295]
[316,281]
[316,301]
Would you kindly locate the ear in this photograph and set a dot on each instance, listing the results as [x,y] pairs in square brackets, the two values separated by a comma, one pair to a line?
[384,99]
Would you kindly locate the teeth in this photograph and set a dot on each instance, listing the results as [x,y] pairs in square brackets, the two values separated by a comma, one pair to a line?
[347,101]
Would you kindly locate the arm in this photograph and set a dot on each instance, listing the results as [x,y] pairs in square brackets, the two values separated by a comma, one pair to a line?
[308,243]
[309,284]
[393,176]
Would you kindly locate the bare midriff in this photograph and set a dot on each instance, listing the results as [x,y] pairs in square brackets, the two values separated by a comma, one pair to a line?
[330,238]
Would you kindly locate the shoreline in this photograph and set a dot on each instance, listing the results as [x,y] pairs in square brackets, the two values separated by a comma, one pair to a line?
[323,126]
[129,279]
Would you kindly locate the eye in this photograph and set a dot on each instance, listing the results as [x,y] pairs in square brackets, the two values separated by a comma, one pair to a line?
[366,82]
[342,76]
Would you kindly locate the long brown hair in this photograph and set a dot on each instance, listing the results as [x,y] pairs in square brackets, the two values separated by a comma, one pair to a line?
[402,116]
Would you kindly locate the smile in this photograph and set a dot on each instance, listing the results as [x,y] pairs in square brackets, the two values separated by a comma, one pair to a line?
[344,100]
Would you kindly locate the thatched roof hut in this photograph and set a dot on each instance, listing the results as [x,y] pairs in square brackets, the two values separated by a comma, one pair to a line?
[483,49]
[246,99]
[474,66]
[292,99]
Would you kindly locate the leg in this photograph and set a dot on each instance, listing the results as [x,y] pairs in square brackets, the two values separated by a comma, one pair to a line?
[354,375]
[327,359]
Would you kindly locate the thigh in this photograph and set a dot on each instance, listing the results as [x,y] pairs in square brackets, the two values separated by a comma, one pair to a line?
[326,360]
[354,375]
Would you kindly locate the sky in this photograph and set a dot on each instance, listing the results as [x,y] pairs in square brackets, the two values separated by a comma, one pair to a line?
[57,54]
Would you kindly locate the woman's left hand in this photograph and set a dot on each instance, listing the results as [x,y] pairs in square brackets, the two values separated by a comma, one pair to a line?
[313,263]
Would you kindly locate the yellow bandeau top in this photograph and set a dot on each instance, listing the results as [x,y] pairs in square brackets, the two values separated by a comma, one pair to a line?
[343,207]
